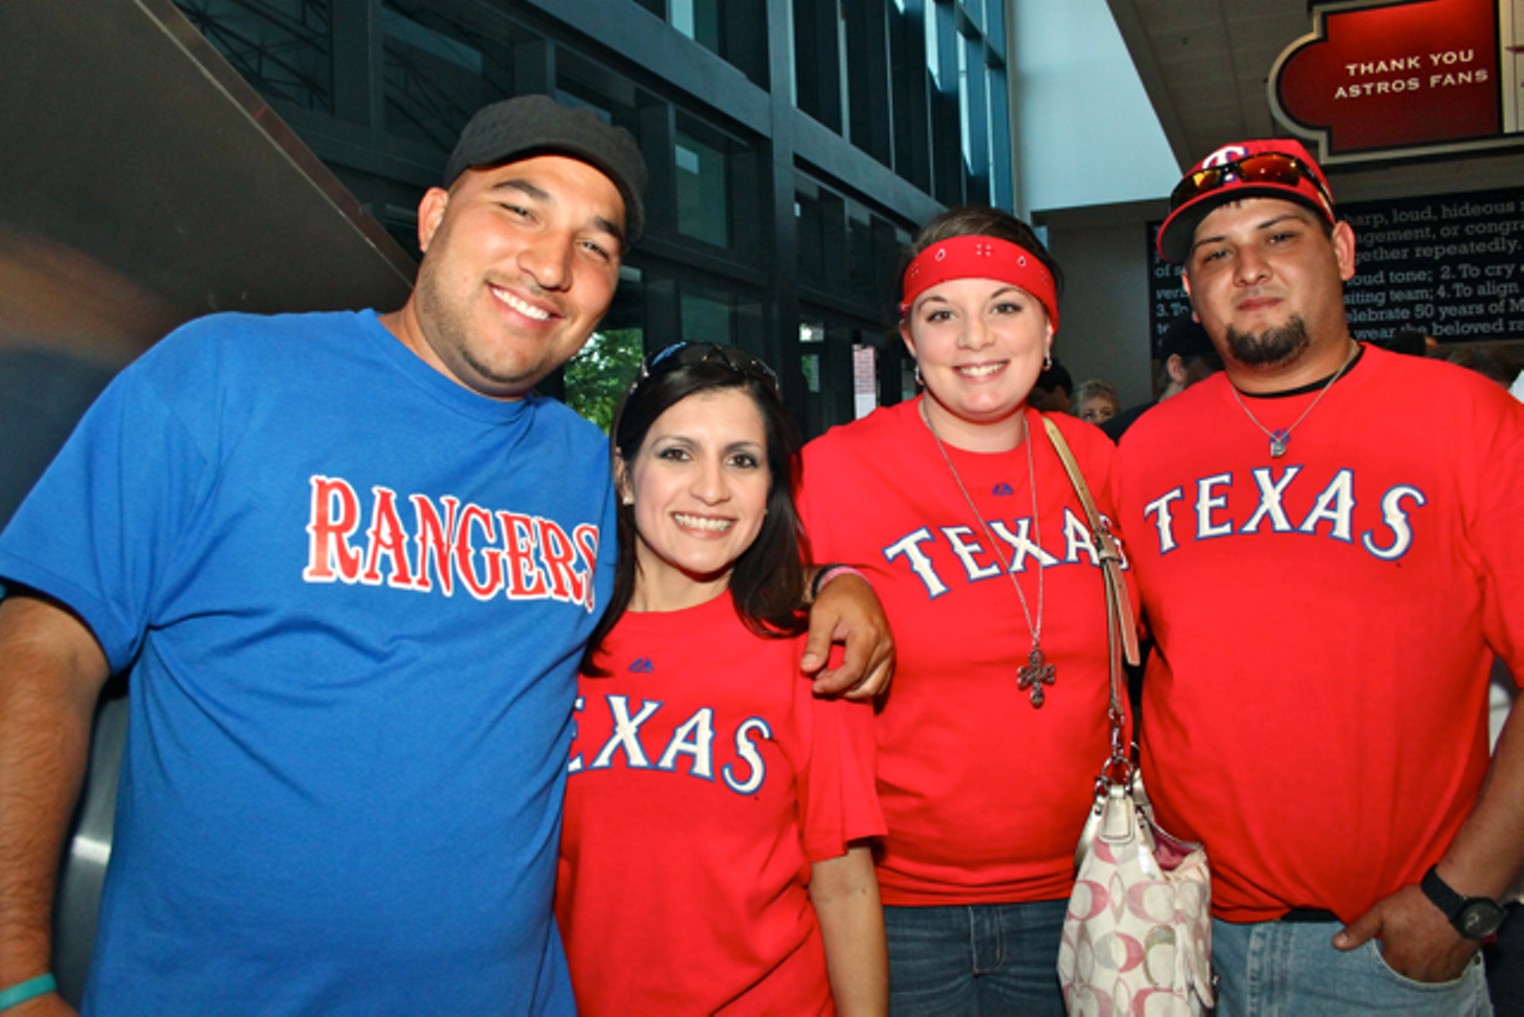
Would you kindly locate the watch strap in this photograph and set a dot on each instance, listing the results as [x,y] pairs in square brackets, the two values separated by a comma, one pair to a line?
[1441,893]
[1457,909]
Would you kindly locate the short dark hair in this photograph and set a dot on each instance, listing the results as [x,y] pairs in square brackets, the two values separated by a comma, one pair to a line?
[767,583]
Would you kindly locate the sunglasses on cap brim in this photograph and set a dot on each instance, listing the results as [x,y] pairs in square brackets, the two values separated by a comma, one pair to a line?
[1262,168]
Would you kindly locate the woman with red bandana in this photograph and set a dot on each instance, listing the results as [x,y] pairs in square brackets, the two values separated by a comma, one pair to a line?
[993,732]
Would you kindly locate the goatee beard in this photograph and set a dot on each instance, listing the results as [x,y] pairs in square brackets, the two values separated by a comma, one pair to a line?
[1271,347]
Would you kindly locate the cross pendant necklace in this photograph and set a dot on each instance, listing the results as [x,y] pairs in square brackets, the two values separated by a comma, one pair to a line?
[1281,436]
[1036,672]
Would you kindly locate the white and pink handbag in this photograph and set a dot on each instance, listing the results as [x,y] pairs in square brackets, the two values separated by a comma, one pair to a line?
[1137,938]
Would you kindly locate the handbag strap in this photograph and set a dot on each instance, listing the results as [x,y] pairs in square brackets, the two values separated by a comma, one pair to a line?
[1122,635]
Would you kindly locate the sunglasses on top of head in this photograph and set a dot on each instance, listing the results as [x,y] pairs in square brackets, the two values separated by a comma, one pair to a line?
[691,354]
[1262,168]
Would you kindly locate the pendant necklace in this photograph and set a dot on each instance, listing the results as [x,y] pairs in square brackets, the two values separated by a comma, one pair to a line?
[1036,672]
[1281,436]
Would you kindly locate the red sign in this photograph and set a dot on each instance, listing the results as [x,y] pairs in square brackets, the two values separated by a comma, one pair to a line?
[1403,78]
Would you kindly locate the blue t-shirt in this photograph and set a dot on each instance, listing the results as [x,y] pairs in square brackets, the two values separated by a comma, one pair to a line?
[352,595]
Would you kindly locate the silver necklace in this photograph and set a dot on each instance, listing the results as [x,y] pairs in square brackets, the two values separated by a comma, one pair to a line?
[1281,436]
[1036,672]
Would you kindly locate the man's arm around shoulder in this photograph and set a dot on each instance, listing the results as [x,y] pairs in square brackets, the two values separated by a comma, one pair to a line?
[51,673]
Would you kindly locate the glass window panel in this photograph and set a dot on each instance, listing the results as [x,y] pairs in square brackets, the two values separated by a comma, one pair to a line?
[817,62]
[707,314]
[863,279]
[703,187]
[284,50]
[888,241]
[793,59]
[682,16]
[933,46]
[403,30]
[597,377]
[974,11]
[583,82]
[812,237]
[994,28]
[809,366]
[1001,191]
[864,380]
[434,78]
[965,135]
[843,71]
[699,20]
[812,336]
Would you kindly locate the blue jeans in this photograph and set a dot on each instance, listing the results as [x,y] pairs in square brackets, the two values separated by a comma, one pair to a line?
[978,960]
[1291,969]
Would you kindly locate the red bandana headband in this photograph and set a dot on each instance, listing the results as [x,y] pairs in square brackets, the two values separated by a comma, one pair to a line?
[980,257]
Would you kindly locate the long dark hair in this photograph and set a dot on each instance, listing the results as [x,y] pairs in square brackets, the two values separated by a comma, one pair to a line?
[767,582]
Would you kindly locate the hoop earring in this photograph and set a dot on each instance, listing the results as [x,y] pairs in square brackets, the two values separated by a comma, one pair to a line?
[918,382]
[1047,361]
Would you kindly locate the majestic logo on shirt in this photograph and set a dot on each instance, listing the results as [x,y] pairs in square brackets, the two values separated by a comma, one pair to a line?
[1330,511]
[922,549]
[1002,490]
[444,543]
[689,748]
[642,665]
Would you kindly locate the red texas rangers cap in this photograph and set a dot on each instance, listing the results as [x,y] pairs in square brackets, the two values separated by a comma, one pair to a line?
[1263,168]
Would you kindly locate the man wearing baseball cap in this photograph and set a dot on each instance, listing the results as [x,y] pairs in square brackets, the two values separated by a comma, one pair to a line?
[1326,542]
[350,560]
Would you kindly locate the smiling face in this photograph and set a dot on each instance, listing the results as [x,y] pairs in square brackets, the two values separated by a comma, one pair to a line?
[980,344]
[520,263]
[700,483]
[1266,282]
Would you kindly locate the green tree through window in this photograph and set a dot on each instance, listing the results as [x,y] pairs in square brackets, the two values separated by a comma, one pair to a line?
[597,377]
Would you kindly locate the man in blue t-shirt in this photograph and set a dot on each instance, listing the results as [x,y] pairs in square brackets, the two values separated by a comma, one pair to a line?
[349,561]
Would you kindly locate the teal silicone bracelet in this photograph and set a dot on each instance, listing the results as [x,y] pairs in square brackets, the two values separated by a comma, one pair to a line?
[29,989]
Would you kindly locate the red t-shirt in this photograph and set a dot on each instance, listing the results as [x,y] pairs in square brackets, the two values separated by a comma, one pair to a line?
[705,780]
[1317,708]
[985,795]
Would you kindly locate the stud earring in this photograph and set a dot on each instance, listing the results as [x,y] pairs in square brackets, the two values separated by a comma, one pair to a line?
[628,499]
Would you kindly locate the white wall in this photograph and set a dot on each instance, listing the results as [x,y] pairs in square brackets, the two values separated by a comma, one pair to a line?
[1086,133]
[1092,165]
[1103,314]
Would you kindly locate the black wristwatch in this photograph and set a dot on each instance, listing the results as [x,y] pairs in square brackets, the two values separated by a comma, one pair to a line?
[1473,917]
